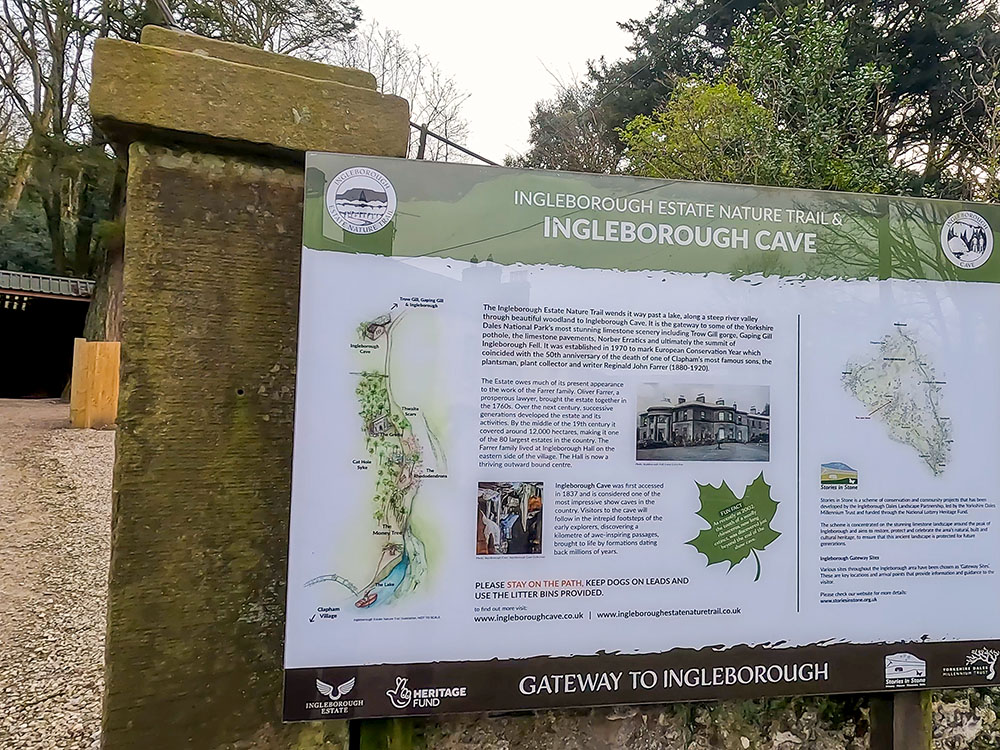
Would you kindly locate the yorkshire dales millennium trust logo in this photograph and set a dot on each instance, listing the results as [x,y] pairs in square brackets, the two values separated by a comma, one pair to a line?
[967,239]
[361,200]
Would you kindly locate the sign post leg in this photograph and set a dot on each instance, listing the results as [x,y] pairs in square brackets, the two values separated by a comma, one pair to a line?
[900,721]
[912,721]
[381,734]
[880,722]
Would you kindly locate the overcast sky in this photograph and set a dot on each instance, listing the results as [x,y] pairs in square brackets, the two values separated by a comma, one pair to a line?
[499,52]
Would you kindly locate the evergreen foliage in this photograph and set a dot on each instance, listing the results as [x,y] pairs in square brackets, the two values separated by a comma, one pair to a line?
[919,72]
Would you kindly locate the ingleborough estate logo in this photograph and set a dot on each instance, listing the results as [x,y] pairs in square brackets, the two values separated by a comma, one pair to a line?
[341,690]
[361,200]
[336,701]
[967,239]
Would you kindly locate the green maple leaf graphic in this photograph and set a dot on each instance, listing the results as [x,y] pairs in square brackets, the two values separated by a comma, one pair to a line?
[737,526]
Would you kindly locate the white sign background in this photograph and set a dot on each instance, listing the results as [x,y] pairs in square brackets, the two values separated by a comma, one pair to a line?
[819,326]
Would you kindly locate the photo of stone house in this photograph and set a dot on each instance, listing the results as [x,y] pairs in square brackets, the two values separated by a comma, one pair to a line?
[681,428]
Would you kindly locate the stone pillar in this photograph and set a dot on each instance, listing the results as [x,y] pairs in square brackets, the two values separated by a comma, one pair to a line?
[201,486]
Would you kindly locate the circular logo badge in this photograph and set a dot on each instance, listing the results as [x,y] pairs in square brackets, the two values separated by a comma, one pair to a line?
[967,239]
[361,200]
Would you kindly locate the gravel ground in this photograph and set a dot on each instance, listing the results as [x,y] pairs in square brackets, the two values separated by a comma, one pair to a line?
[55,523]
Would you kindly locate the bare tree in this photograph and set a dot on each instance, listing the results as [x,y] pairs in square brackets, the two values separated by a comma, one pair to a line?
[979,128]
[567,132]
[13,71]
[43,53]
[435,98]
[306,28]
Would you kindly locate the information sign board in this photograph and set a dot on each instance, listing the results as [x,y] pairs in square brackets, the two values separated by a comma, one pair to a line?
[568,440]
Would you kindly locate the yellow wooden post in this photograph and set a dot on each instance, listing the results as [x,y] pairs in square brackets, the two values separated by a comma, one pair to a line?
[93,400]
[104,395]
[79,384]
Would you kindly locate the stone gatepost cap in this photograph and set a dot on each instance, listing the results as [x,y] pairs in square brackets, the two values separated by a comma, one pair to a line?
[176,86]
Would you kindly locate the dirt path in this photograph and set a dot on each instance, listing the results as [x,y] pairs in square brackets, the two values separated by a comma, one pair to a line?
[55,517]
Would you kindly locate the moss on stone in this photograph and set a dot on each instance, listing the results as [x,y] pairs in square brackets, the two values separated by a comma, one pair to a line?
[169,95]
[159,36]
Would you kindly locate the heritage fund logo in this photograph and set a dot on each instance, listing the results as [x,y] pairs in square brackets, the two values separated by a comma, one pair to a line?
[361,200]
[967,239]
[905,670]
[403,697]
[335,694]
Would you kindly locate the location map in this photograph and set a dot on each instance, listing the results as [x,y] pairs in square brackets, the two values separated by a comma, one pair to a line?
[900,388]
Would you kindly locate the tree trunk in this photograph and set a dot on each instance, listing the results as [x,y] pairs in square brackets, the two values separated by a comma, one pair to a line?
[85,219]
[12,196]
[103,321]
[932,167]
[52,204]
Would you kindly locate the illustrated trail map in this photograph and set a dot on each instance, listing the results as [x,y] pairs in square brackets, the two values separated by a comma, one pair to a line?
[396,439]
